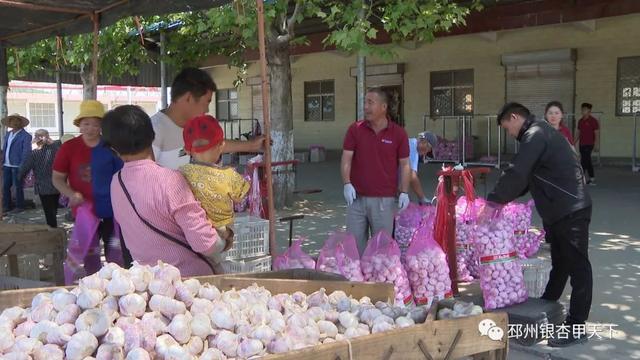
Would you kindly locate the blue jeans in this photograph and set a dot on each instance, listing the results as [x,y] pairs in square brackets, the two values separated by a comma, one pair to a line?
[10,178]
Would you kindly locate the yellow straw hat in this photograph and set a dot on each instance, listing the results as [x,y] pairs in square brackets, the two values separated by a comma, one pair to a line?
[89,109]
[23,120]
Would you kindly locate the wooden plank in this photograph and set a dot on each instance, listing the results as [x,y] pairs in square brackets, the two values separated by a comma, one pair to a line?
[375,291]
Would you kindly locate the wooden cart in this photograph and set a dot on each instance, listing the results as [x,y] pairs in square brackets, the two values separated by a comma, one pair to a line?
[432,340]
[40,240]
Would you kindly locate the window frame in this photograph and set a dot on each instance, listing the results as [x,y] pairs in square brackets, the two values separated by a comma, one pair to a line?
[619,97]
[227,103]
[321,94]
[452,87]
[32,120]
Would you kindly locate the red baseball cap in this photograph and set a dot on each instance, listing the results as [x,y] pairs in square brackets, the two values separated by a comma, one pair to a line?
[202,133]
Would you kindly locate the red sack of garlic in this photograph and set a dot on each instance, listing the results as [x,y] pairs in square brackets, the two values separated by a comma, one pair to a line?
[465,231]
[294,258]
[501,277]
[519,215]
[427,268]
[339,255]
[381,263]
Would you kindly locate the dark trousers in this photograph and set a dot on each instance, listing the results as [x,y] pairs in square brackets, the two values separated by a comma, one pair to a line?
[50,207]
[585,159]
[10,179]
[570,258]
[105,232]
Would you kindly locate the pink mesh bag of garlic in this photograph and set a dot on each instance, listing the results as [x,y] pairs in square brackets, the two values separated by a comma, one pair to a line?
[519,215]
[339,255]
[294,258]
[466,257]
[381,263]
[408,221]
[427,268]
[501,278]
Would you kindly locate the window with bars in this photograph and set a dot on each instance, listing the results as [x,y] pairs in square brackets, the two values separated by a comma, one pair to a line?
[319,101]
[42,115]
[452,93]
[227,104]
[628,86]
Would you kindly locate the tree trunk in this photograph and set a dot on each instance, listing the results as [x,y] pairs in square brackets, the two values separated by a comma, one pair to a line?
[89,83]
[279,65]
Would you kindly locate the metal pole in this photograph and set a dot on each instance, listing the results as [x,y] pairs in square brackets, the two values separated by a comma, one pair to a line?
[464,140]
[498,163]
[60,104]
[4,87]
[267,124]
[634,160]
[488,136]
[163,73]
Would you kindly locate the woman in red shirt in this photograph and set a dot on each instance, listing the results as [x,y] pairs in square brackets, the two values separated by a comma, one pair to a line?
[553,113]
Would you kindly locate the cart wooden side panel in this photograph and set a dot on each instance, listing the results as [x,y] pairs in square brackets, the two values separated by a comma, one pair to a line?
[376,291]
[432,340]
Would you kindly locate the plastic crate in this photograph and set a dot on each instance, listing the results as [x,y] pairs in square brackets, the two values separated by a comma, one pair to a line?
[536,275]
[260,264]
[251,238]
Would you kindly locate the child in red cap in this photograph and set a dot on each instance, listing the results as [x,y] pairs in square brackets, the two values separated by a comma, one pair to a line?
[216,187]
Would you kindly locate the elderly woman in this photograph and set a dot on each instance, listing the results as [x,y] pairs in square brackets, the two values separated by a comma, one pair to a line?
[40,160]
[159,216]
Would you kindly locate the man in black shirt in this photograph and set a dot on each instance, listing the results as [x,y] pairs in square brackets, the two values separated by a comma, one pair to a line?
[549,169]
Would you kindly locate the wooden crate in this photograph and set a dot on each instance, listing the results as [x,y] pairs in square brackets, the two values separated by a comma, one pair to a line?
[40,240]
[376,291]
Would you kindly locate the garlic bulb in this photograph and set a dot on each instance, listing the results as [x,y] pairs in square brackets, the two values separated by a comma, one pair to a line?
[228,343]
[23,329]
[115,336]
[138,354]
[177,352]
[184,294]
[209,292]
[381,327]
[166,272]
[6,342]
[318,298]
[163,343]
[162,287]
[193,285]
[89,298]
[234,300]
[194,346]
[49,332]
[120,284]
[316,314]
[201,306]
[336,296]
[48,352]
[212,354]
[107,270]
[81,345]
[327,329]
[110,306]
[39,298]
[93,282]
[368,315]
[222,317]
[25,345]
[180,328]
[141,276]
[132,305]
[166,306]
[156,321]
[43,311]
[263,333]
[249,348]
[68,315]
[110,352]
[278,346]
[94,321]
[15,356]
[404,321]
[348,320]
[201,325]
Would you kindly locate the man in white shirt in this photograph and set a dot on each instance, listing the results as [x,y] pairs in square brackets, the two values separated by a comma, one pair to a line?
[191,93]
[420,147]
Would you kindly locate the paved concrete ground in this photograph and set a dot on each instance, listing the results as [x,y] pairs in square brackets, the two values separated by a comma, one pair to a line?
[614,250]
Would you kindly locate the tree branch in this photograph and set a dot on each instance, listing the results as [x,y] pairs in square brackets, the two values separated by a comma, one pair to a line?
[291,21]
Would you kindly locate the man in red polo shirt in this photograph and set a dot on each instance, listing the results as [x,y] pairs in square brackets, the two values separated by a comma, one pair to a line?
[588,130]
[375,153]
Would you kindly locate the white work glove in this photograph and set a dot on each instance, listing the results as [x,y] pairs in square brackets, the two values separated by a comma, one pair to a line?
[349,193]
[403,201]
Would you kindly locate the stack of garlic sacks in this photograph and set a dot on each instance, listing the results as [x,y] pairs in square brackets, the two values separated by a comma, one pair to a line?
[150,313]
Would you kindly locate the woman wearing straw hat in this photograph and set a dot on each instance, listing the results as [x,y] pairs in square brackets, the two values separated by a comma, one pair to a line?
[72,176]
[17,148]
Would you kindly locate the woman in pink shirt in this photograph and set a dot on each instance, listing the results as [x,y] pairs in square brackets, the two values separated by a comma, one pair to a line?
[158,214]
[553,113]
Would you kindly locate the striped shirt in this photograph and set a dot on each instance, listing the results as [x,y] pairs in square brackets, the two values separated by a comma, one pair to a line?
[41,162]
[164,199]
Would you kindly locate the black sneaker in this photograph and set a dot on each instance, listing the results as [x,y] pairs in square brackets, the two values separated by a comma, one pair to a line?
[570,340]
